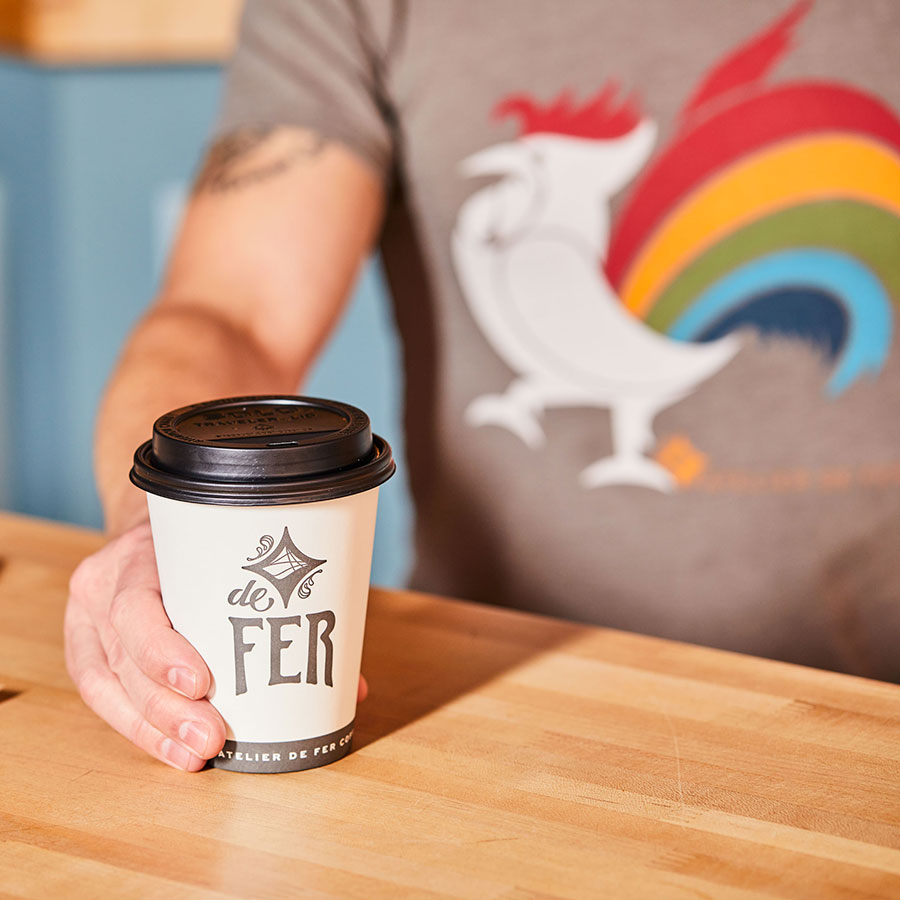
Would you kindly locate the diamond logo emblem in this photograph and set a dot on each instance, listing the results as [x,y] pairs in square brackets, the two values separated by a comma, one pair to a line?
[285,566]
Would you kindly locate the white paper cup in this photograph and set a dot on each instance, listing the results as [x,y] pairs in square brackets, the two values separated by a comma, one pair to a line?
[272,594]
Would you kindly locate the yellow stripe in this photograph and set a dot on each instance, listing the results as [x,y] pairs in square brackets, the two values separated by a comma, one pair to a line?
[786,175]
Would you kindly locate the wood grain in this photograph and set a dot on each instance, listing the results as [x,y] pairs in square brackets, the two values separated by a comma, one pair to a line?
[107,31]
[499,756]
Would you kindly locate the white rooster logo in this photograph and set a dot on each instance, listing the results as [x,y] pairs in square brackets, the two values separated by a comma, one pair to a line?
[528,250]
[750,216]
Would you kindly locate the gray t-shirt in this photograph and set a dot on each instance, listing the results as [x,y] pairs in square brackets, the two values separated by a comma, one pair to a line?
[646,263]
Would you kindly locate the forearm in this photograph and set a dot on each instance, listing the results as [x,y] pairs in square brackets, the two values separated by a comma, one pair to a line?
[179,354]
[270,243]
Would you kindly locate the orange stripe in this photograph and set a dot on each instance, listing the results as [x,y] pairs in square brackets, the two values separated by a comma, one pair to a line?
[791,173]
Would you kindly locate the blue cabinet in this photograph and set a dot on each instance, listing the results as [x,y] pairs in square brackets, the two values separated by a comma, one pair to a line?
[94,166]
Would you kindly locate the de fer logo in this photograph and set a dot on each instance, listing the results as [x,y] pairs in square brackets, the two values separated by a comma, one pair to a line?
[290,572]
[286,566]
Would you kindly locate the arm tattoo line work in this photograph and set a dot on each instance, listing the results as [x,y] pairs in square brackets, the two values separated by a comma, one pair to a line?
[230,162]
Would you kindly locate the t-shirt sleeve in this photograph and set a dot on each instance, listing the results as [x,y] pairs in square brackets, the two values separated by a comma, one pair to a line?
[308,64]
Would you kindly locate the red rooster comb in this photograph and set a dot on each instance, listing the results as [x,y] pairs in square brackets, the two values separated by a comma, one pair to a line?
[600,117]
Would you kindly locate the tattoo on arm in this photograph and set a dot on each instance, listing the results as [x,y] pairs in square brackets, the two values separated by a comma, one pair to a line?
[252,155]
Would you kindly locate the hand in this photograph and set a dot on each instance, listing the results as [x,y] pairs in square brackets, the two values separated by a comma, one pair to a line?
[128,663]
[130,666]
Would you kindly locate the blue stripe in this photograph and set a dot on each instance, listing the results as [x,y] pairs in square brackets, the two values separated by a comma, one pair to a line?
[868,307]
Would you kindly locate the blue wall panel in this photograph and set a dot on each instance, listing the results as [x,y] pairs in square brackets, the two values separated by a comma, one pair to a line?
[31,358]
[94,163]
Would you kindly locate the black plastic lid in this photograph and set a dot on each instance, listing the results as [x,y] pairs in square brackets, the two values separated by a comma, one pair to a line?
[262,451]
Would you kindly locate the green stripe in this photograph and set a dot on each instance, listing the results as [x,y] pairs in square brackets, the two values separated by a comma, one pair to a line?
[868,232]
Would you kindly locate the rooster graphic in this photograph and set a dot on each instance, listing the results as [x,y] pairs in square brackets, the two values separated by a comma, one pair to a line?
[772,207]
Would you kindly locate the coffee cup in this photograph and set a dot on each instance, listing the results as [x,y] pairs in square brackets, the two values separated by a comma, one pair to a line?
[263,518]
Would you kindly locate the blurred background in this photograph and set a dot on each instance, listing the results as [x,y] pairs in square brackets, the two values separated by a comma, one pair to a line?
[106,106]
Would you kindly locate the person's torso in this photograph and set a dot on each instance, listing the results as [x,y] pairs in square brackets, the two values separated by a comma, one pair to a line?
[657,384]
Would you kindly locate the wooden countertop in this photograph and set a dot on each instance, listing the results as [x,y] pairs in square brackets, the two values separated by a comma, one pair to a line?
[499,756]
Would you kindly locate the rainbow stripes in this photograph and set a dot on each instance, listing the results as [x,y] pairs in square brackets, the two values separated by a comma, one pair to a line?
[822,274]
[792,193]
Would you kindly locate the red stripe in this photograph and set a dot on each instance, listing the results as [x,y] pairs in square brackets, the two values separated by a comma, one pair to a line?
[751,61]
[780,113]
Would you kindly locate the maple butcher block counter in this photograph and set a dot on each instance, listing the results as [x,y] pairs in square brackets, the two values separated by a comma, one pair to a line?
[499,755]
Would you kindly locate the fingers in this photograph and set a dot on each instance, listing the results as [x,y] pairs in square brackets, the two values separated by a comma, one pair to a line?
[193,723]
[363,690]
[140,625]
[103,692]
[127,661]
[142,631]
